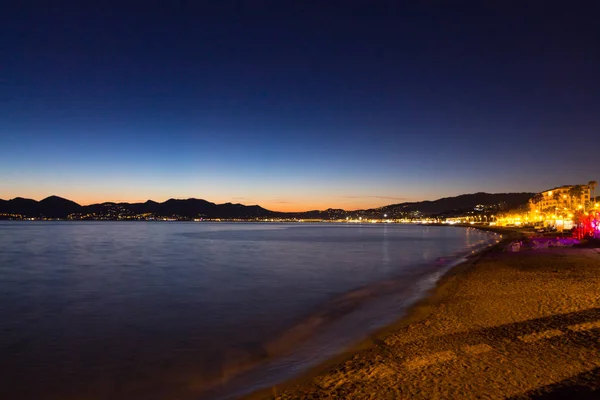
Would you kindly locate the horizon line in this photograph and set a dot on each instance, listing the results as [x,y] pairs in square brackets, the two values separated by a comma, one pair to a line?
[252,205]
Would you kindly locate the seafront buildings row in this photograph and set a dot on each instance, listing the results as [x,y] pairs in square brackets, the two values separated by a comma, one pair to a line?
[561,208]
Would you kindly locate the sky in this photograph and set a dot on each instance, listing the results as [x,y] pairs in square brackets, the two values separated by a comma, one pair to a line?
[296,105]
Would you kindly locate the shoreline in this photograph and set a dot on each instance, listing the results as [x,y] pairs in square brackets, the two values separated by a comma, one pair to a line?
[384,353]
[395,291]
[415,313]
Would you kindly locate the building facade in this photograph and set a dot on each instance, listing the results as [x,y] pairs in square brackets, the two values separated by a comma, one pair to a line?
[564,198]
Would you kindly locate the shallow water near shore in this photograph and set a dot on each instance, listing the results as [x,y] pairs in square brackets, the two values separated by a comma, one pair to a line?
[148,310]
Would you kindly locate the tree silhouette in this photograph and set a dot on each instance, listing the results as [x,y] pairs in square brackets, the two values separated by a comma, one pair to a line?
[592,185]
[575,193]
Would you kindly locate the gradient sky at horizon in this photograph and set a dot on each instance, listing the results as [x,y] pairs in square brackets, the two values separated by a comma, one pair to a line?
[295,105]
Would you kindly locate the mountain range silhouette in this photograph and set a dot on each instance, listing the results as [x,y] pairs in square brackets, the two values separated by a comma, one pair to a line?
[58,207]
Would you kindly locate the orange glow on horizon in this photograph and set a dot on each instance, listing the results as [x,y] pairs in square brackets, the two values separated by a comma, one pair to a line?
[301,207]
[272,205]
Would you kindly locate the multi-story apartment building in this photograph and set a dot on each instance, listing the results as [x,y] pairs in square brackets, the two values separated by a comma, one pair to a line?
[560,199]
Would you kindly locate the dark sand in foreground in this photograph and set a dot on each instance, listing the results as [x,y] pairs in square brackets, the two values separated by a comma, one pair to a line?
[504,325]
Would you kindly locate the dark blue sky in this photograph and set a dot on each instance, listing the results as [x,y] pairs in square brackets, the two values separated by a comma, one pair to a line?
[296,105]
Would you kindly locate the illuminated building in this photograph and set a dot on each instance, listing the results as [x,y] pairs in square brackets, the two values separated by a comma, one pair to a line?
[556,207]
[560,199]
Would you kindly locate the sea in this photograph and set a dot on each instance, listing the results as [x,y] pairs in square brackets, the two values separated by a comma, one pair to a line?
[197,310]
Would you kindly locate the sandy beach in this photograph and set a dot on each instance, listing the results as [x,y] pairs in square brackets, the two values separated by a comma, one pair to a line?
[502,325]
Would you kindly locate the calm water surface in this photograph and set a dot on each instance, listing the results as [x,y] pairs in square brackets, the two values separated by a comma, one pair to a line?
[148,310]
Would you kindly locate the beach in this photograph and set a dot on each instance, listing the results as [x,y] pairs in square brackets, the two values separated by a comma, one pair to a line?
[501,325]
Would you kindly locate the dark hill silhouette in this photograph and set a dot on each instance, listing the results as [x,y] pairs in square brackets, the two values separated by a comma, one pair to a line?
[462,203]
[57,207]
[51,207]
[187,208]
[20,205]
[192,208]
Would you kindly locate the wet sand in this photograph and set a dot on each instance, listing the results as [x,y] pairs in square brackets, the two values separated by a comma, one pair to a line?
[502,325]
